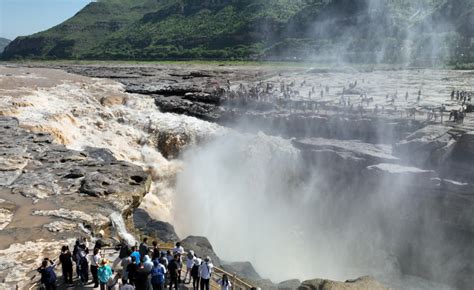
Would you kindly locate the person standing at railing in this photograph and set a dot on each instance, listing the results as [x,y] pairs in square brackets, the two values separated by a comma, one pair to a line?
[189,265]
[155,251]
[158,273]
[125,262]
[173,269]
[224,282]
[142,278]
[179,250]
[147,263]
[195,273]
[205,271]
[144,248]
[65,259]
[124,251]
[48,277]
[104,273]
[169,256]
[76,249]
[132,269]
[82,263]
[136,254]
[164,260]
[95,260]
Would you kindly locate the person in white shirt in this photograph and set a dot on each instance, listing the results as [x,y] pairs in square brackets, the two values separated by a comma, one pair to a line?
[224,282]
[189,265]
[205,271]
[95,259]
[179,250]
[195,273]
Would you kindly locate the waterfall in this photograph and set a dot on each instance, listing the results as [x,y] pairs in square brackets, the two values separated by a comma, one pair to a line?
[119,224]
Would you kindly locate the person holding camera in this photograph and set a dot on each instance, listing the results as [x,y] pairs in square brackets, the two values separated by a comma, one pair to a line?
[48,277]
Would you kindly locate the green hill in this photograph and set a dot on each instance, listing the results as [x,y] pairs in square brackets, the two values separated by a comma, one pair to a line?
[3,43]
[363,31]
[79,34]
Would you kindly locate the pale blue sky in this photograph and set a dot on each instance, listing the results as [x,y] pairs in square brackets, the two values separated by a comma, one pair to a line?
[24,17]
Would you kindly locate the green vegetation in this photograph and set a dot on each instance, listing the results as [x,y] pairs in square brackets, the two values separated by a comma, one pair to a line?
[419,32]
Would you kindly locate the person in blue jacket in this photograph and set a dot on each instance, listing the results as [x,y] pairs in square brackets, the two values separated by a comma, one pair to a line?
[48,277]
[136,254]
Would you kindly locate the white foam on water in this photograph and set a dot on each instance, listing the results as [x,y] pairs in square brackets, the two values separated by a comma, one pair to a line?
[72,111]
[119,224]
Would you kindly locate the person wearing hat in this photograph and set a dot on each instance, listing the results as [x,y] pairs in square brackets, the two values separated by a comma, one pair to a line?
[189,265]
[205,271]
[195,272]
[104,273]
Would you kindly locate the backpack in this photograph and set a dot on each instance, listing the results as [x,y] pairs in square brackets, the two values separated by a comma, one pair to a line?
[157,276]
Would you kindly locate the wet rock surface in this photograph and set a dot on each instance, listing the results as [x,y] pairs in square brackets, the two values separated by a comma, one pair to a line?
[434,155]
[244,269]
[51,194]
[153,228]
[211,94]
[363,283]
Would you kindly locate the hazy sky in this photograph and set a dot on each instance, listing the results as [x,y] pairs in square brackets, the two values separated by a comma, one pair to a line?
[24,17]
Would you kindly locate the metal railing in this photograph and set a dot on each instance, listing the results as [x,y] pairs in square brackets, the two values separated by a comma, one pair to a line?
[237,282]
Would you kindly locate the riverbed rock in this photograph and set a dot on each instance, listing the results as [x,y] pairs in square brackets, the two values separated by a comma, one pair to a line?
[96,220]
[243,269]
[109,101]
[50,195]
[363,283]
[288,284]
[425,147]
[458,162]
[60,226]
[342,160]
[150,227]
[202,247]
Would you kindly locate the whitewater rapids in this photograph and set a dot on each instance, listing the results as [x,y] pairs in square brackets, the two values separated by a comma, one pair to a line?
[72,109]
[242,191]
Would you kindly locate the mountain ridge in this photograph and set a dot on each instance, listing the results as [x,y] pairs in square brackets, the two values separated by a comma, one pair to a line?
[3,43]
[366,31]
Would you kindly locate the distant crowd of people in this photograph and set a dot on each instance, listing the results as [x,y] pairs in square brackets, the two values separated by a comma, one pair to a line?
[289,98]
[462,96]
[143,267]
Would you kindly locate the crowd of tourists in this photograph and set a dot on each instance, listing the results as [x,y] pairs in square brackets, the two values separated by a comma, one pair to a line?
[143,267]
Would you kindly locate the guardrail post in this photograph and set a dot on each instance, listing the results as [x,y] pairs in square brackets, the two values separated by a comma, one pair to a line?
[234,286]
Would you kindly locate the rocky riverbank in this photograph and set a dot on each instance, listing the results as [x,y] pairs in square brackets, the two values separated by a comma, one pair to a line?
[50,195]
[380,176]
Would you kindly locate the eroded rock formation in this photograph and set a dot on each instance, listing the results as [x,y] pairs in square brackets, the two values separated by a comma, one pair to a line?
[51,195]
